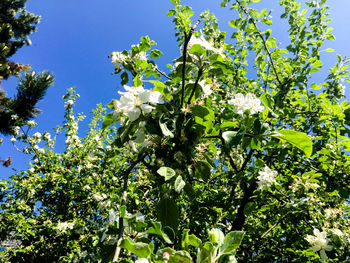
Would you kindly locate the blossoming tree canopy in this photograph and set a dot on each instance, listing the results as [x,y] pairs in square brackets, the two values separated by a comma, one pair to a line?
[211,160]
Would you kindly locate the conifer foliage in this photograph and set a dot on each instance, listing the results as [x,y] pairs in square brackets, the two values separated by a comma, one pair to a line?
[15,25]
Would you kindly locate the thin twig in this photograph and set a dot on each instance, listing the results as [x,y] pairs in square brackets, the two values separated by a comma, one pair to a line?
[184,54]
[125,175]
[162,73]
[200,72]
[273,226]
[263,40]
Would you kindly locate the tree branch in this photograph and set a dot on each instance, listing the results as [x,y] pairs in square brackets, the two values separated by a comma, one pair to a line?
[263,40]
[125,175]
[184,54]
[200,72]
[162,73]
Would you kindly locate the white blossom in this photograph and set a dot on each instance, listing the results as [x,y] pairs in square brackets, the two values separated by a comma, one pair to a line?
[37,137]
[136,101]
[142,55]
[319,242]
[117,60]
[15,130]
[155,97]
[266,177]
[63,226]
[47,136]
[248,102]
[204,43]
[13,139]
[68,103]
[206,88]
[99,197]
[31,123]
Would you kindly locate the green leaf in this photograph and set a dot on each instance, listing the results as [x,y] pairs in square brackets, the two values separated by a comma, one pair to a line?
[329,50]
[203,112]
[168,213]
[298,139]
[171,12]
[232,241]
[194,241]
[179,184]
[165,126]
[197,49]
[267,100]
[216,236]
[125,78]
[227,125]
[140,249]
[108,120]
[180,256]
[233,23]
[157,230]
[317,64]
[233,138]
[166,172]
[155,53]
[137,82]
[202,170]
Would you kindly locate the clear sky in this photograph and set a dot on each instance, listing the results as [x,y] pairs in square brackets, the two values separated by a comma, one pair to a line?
[74,39]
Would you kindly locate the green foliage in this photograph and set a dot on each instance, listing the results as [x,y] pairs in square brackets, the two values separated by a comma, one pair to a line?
[211,165]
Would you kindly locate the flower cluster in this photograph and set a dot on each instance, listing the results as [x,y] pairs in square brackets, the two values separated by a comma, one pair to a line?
[136,101]
[266,177]
[204,43]
[248,102]
[319,242]
[63,226]
[117,60]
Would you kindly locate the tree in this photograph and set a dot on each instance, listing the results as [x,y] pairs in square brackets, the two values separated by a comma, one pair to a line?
[210,165]
[15,26]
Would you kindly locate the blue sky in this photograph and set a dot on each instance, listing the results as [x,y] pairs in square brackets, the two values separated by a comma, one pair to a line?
[74,39]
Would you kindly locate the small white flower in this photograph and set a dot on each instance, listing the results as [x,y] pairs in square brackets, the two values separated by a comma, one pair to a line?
[86,188]
[14,117]
[68,103]
[204,43]
[319,242]
[13,139]
[248,102]
[31,123]
[266,178]
[37,137]
[142,56]
[47,136]
[342,89]
[117,60]
[15,130]
[31,170]
[206,88]
[155,97]
[99,197]
[63,226]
